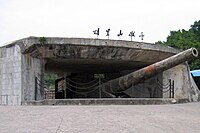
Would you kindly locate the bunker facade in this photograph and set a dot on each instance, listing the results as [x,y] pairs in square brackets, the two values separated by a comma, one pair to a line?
[83,65]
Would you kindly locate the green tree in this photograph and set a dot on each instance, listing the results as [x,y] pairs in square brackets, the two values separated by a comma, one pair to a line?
[184,39]
[49,80]
[195,28]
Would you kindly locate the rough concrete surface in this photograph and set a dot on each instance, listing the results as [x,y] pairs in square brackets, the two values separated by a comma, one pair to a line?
[180,118]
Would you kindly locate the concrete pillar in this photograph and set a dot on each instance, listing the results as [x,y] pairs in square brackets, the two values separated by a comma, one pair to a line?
[10,75]
[32,67]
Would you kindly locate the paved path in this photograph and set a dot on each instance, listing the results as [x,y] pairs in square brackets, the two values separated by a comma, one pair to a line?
[177,118]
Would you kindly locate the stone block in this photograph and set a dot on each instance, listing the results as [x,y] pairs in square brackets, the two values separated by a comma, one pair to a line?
[4,65]
[10,70]
[17,50]
[16,92]
[17,81]
[9,64]
[4,99]
[6,92]
[5,82]
[16,69]
[17,86]
[7,76]
[7,86]
[7,52]
[10,100]
[16,75]
[16,100]
[5,69]
[3,53]
[17,58]
[17,63]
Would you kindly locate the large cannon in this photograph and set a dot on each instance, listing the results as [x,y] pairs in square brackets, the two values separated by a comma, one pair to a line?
[125,82]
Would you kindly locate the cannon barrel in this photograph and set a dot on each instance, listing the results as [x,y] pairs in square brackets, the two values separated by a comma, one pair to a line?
[125,82]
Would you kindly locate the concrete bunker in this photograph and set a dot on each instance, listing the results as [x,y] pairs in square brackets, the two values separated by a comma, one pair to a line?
[84,64]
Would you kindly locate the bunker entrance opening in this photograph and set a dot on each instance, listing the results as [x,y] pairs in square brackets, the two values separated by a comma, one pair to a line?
[83,79]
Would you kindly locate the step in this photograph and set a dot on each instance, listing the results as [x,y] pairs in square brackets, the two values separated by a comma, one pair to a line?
[108,101]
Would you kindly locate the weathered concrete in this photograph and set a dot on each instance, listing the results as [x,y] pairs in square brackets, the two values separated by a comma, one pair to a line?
[172,118]
[25,59]
[74,54]
[31,68]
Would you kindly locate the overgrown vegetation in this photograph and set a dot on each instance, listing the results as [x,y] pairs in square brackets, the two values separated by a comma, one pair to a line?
[42,40]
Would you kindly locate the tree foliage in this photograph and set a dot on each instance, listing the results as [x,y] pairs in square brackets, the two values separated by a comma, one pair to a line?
[49,80]
[184,39]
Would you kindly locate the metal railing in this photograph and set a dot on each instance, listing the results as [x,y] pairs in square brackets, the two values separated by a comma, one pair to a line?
[93,86]
[39,87]
[158,89]
[84,88]
[166,88]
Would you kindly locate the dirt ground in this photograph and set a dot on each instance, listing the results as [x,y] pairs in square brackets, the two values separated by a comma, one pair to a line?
[177,118]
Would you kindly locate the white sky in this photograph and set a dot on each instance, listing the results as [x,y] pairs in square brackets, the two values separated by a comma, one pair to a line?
[78,18]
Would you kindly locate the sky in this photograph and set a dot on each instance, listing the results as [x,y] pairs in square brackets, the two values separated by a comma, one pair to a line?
[79,18]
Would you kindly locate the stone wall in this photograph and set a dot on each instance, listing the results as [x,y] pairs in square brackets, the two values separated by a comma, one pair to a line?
[10,75]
